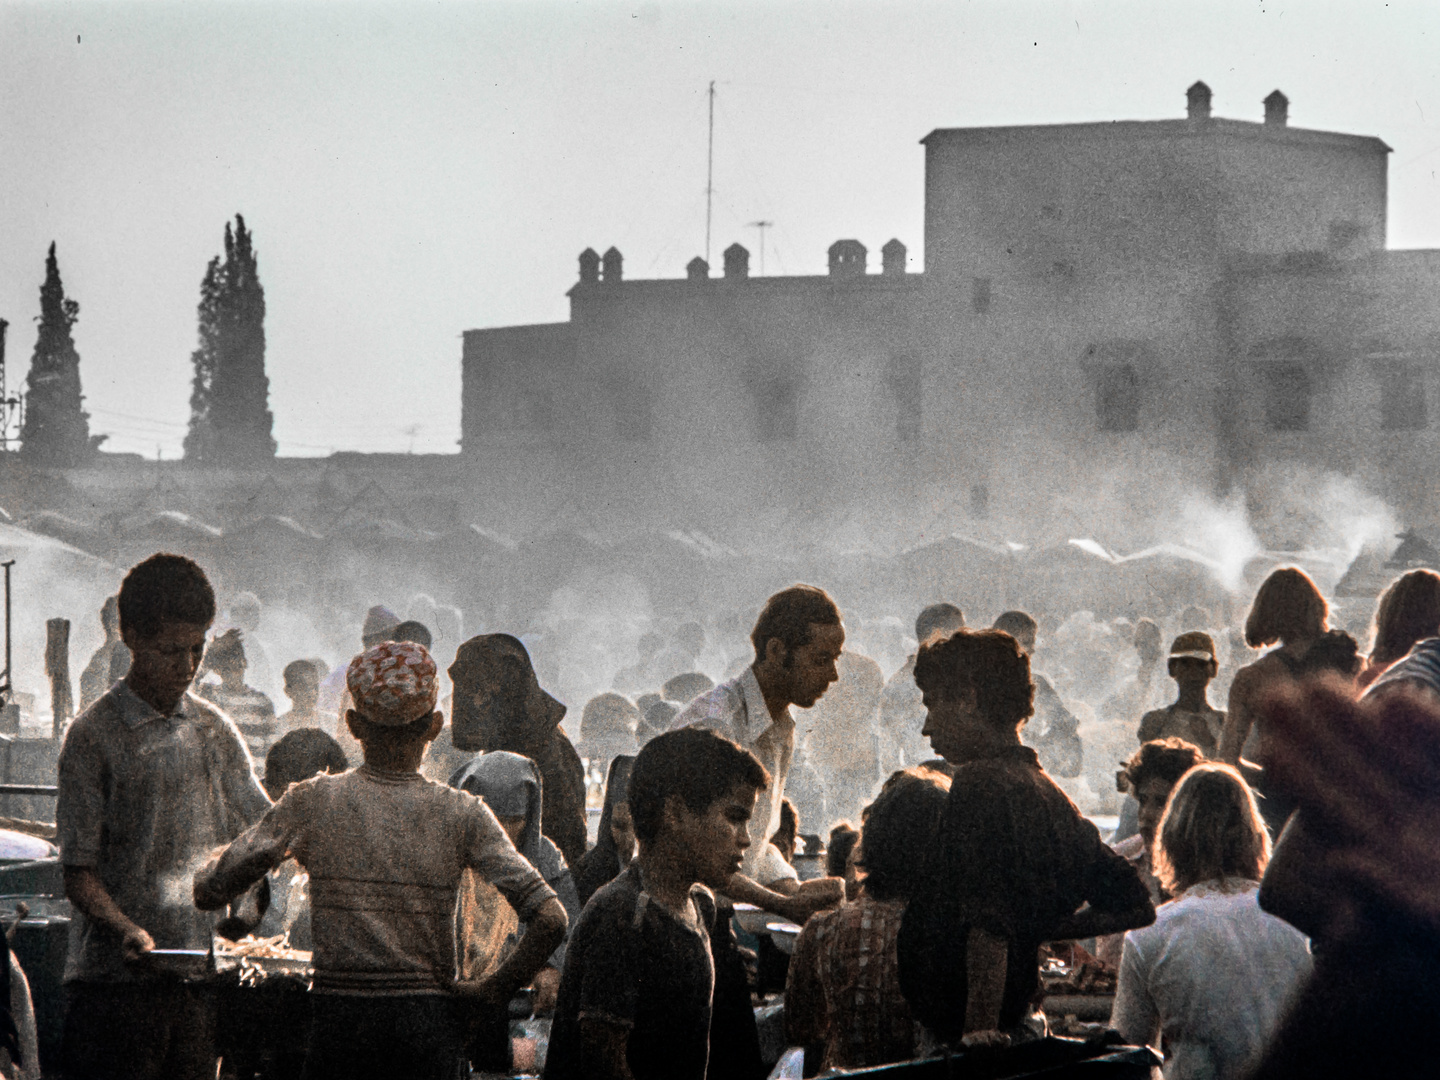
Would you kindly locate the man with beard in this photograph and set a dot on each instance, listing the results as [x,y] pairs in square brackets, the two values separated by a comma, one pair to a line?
[499,705]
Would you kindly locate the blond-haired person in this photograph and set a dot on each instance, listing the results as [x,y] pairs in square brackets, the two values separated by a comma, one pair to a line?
[1211,978]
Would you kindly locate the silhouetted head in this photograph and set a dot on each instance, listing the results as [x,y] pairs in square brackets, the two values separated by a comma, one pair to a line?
[1288,607]
[938,620]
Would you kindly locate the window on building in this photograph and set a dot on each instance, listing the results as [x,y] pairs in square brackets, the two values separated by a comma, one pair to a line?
[777,410]
[634,414]
[1402,397]
[980,295]
[907,388]
[1287,398]
[1117,398]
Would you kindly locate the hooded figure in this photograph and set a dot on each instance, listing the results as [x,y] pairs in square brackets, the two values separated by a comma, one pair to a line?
[610,856]
[498,705]
[513,789]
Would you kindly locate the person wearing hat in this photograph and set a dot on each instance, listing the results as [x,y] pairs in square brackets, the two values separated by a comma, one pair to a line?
[1192,665]
[386,849]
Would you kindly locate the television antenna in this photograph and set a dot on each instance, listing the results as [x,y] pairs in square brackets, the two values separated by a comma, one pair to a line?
[762,226]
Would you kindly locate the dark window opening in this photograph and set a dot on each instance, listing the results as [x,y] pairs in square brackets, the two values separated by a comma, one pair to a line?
[907,387]
[1117,398]
[777,411]
[1287,401]
[980,295]
[1402,398]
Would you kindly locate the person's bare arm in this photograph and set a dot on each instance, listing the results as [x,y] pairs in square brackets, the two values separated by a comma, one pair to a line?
[808,898]
[544,931]
[1238,716]
[86,891]
[1095,922]
[986,959]
[602,1050]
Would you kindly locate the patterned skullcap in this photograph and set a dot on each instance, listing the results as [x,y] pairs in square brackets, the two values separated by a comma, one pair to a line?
[393,683]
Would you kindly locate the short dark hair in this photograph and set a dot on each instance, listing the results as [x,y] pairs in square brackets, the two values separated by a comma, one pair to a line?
[226,652]
[788,616]
[695,764]
[1287,605]
[686,687]
[988,661]
[297,670]
[165,589]
[843,838]
[1016,623]
[367,731]
[1169,759]
[299,755]
[938,617]
[900,828]
[414,631]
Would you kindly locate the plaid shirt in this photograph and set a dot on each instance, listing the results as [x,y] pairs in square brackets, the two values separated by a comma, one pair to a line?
[843,988]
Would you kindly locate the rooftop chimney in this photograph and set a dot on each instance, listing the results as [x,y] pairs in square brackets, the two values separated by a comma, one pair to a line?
[612,267]
[697,269]
[892,259]
[1277,109]
[1197,102]
[589,267]
[847,259]
[737,263]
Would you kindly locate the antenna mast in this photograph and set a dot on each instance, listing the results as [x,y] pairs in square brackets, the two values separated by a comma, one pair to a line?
[762,226]
[709,170]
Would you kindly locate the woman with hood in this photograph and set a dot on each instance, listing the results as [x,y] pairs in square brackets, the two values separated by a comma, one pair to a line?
[615,842]
[511,786]
[499,705]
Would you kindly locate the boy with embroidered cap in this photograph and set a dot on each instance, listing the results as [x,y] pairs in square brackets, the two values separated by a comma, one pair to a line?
[385,849]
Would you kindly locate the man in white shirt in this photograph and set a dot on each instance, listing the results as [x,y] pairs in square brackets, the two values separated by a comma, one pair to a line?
[798,639]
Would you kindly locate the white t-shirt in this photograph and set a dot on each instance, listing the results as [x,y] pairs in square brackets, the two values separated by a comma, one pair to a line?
[1214,974]
[772,867]
[736,709]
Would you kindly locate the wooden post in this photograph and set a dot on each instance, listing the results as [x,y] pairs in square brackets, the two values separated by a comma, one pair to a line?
[57,667]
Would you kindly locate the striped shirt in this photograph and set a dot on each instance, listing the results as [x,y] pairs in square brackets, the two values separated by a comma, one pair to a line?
[1421,665]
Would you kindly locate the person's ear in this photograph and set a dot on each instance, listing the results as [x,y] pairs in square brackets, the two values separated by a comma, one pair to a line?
[673,813]
[775,652]
[351,722]
[437,722]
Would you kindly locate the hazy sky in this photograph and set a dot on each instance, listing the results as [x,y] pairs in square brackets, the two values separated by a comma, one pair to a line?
[413,170]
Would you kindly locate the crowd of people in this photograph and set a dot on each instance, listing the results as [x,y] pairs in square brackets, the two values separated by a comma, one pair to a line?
[1266,900]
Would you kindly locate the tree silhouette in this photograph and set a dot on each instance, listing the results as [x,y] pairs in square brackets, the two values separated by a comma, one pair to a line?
[56,430]
[230,422]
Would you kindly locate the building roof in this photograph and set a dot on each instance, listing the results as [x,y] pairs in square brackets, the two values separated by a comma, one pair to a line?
[1140,129]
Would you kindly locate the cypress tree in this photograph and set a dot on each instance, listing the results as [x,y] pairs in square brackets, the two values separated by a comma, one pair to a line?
[200,439]
[56,430]
[230,422]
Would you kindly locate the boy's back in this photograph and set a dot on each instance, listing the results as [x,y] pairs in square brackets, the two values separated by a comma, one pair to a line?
[385,852]
[634,965]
